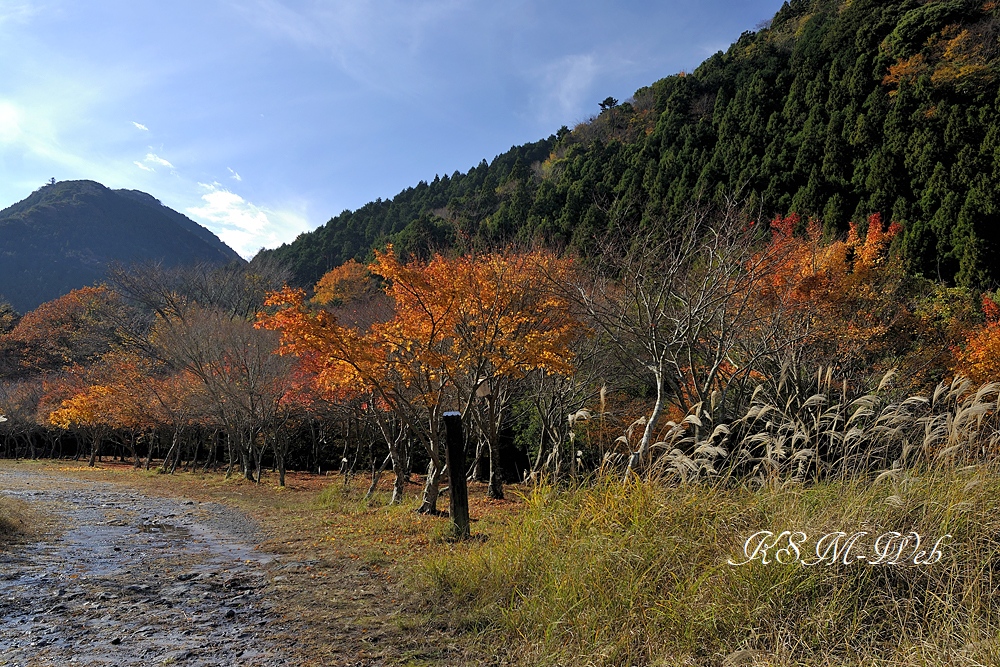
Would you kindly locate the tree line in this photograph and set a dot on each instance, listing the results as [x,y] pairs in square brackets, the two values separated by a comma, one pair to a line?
[730,347]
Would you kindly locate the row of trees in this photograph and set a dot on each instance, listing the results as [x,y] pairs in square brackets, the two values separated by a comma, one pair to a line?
[449,334]
[158,354]
[577,364]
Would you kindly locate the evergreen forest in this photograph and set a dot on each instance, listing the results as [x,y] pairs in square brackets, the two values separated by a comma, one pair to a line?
[834,109]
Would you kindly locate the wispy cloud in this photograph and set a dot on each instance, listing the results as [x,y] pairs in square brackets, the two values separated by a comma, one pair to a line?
[140,126]
[142,166]
[156,159]
[562,88]
[10,123]
[32,133]
[374,42]
[17,12]
[234,175]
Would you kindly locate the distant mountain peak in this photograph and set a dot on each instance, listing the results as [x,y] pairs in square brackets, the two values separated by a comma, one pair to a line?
[64,235]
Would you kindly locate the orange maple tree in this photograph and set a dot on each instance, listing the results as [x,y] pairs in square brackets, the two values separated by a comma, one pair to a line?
[111,395]
[74,328]
[453,321]
[511,319]
[839,296]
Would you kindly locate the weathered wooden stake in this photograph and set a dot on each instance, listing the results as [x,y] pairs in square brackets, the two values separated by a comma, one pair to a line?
[458,493]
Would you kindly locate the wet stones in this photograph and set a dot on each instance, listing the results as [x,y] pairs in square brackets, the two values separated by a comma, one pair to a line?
[133,580]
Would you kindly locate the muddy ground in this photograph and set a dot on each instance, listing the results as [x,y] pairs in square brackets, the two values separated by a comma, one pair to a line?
[126,578]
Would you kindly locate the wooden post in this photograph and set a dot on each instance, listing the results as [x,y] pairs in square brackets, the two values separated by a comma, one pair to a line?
[458,493]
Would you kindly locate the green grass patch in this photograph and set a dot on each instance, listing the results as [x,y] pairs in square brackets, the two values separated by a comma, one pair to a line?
[638,574]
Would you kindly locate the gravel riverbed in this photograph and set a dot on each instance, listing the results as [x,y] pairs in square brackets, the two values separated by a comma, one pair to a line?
[130,579]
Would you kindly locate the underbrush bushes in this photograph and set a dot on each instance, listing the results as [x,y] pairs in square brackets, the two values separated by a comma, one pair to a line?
[639,574]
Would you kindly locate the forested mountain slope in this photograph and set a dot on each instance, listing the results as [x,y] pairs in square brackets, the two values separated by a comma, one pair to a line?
[838,109]
[63,236]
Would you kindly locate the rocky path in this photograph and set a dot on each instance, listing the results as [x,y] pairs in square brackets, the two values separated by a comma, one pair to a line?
[129,579]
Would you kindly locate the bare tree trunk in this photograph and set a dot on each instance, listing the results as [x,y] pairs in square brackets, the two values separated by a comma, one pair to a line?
[149,450]
[193,463]
[93,456]
[638,459]
[260,459]
[495,488]
[281,466]
[431,490]
[492,432]
[95,445]
[399,466]
[399,483]
[377,475]
[174,444]
[536,468]
[135,450]
[474,470]
[395,445]
[214,450]
[177,456]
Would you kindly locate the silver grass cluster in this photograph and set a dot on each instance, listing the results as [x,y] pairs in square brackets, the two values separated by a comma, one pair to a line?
[793,431]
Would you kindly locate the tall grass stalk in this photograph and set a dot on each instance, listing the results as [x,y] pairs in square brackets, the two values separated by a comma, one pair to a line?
[807,428]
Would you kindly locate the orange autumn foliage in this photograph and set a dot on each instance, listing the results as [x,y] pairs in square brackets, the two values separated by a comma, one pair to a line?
[89,409]
[494,311]
[348,282]
[838,293]
[338,356]
[114,393]
[71,329]
[449,316]
[812,266]
[979,359]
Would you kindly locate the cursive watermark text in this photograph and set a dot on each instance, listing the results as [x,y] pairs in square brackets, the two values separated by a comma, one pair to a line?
[839,547]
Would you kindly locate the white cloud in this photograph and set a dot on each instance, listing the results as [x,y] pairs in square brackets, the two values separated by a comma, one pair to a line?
[238,222]
[156,159]
[235,176]
[140,126]
[142,166]
[225,207]
[245,227]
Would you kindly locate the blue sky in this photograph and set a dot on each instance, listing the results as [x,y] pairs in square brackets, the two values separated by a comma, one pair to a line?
[261,119]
